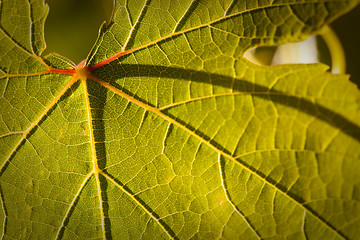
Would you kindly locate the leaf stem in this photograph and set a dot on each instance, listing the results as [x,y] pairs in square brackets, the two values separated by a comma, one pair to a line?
[338,61]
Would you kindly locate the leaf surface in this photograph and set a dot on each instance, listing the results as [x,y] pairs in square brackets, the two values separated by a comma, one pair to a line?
[165,131]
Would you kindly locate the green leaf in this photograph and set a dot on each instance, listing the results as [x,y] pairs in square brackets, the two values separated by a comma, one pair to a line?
[165,131]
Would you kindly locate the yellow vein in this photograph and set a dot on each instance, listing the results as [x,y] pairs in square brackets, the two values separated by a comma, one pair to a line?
[135,200]
[72,204]
[330,139]
[184,15]
[124,95]
[293,150]
[267,93]
[6,75]
[90,125]
[208,143]
[15,43]
[229,94]
[37,58]
[137,22]
[10,133]
[303,225]
[126,6]
[230,6]
[42,115]
[5,217]
[100,204]
[31,26]
[68,62]
[114,182]
[96,169]
[243,37]
[322,199]
[231,202]
[211,22]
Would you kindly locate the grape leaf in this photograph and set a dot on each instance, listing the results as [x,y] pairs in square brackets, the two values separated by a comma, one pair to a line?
[165,131]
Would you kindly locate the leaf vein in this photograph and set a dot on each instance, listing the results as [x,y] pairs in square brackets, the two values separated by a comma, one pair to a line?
[72,205]
[162,225]
[36,122]
[136,24]
[223,185]
[216,149]
[5,214]
[186,13]
[31,35]
[208,24]
[18,45]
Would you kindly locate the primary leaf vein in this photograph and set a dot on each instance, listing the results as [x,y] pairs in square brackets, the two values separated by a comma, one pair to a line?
[36,122]
[216,149]
[208,24]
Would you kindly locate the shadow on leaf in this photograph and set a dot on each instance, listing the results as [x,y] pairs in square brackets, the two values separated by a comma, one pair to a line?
[238,85]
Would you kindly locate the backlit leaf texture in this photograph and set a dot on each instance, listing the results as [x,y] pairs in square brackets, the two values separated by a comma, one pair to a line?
[165,131]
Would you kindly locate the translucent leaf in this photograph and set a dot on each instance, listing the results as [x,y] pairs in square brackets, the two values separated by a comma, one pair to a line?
[166,131]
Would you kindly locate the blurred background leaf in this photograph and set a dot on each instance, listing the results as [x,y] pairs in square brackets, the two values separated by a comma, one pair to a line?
[347,28]
[72,26]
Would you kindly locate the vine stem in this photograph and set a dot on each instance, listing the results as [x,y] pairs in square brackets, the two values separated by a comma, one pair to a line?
[337,54]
